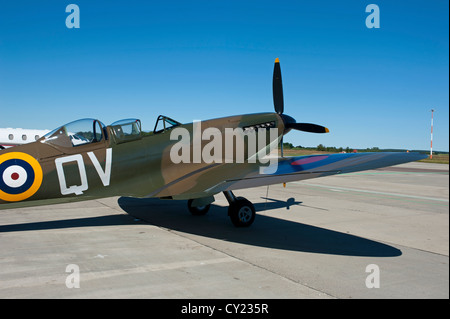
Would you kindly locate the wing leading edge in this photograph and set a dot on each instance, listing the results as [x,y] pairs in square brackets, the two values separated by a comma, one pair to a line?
[298,168]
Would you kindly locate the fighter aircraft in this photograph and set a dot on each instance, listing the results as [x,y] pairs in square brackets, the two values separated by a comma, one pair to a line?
[86,159]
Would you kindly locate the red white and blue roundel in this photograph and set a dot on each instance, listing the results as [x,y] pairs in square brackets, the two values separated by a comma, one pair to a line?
[20,176]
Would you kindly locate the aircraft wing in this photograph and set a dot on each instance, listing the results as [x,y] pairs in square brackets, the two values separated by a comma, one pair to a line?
[298,168]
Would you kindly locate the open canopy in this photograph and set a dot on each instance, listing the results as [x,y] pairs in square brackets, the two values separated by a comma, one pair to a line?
[76,133]
[88,130]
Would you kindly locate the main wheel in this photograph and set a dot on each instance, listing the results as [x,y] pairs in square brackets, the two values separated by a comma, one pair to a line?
[241,212]
[198,210]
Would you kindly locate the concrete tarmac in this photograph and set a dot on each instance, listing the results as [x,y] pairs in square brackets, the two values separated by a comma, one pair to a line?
[331,237]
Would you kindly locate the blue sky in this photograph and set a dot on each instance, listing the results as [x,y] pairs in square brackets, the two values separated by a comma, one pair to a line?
[195,60]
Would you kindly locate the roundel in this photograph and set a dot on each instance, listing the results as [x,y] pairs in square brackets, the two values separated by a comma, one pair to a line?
[20,176]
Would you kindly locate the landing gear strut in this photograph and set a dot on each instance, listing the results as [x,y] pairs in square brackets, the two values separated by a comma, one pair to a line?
[241,211]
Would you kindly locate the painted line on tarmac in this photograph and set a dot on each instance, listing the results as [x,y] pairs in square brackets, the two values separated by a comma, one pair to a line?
[336,188]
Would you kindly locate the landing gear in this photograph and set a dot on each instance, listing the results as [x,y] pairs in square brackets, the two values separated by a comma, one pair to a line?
[241,211]
[198,210]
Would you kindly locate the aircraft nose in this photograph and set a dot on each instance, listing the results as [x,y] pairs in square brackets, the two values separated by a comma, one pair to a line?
[287,120]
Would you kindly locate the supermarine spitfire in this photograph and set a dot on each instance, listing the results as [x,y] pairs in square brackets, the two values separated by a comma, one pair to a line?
[85,160]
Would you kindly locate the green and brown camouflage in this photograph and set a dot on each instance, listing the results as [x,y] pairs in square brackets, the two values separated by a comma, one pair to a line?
[86,160]
[140,163]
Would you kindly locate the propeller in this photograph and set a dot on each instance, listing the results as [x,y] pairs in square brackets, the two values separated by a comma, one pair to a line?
[277,87]
[308,127]
[278,103]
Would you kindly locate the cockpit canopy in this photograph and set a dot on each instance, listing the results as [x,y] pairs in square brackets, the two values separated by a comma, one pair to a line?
[76,133]
[164,123]
[88,131]
[126,130]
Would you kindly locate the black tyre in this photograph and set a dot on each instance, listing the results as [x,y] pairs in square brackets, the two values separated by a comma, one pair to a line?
[198,210]
[241,212]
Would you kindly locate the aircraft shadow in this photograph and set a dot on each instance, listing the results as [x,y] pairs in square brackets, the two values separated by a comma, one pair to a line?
[275,203]
[266,231]
[108,220]
[269,232]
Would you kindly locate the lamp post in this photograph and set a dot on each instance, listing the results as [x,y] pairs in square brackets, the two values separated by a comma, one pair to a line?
[431,146]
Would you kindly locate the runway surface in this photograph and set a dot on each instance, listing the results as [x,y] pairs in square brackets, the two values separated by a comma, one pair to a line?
[331,237]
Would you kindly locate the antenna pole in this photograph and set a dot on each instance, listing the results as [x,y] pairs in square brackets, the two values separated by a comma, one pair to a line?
[431,146]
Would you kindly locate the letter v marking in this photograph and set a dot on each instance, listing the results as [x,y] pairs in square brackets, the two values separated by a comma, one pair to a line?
[105,176]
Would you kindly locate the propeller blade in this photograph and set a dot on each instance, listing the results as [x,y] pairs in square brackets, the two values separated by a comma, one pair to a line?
[277,88]
[307,127]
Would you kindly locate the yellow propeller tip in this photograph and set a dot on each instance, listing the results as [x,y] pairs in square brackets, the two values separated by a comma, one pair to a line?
[327,130]
[277,60]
